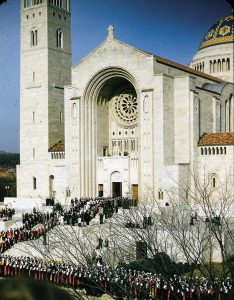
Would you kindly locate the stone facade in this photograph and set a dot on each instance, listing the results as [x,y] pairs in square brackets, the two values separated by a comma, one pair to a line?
[174,110]
[133,120]
[45,69]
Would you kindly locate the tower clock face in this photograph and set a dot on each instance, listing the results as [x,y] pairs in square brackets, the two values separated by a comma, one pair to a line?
[124,108]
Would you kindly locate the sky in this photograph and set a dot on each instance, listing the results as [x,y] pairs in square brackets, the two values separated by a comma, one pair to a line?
[172,29]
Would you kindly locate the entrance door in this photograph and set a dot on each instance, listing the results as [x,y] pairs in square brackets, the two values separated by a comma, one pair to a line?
[100,190]
[135,193]
[116,189]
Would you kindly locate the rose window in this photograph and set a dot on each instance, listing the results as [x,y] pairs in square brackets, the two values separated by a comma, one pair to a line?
[124,108]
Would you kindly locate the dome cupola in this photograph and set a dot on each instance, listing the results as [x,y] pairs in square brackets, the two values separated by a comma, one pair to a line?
[215,53]
[220,33]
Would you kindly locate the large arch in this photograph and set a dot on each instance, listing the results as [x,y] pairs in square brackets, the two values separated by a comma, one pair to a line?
[98,85]
[98,80]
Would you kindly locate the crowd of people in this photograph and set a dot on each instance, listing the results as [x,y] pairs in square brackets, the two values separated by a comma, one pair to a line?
[9,238]
[97,278]
[34,226]
[6,213]
[81,212]
[120,282]
[30,220]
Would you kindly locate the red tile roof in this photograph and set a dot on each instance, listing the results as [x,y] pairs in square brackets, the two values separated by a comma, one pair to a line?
[58,147]
[226,138]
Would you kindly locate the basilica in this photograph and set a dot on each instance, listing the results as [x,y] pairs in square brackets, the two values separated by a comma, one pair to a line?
[122,122]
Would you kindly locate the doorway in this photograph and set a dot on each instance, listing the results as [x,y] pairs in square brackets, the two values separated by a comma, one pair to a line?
[135,193]
[116,189]
[100,190]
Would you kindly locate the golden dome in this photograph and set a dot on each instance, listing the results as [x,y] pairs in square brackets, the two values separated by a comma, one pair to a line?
[220,33]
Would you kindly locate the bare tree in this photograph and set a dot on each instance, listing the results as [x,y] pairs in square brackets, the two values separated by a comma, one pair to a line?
[196,228]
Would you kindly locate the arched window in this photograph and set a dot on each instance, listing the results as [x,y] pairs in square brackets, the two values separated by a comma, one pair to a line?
[34,37]
[223,65]
[214,66]
[209,151]
[201,151]
[74,111]
[205,151]
[213,182]
[225,150]
[132,145]
[126,145]
[213,150]
[228,64]
[160,195]
[211,67]
[25,3]
[213,179]
[34,183]
[217,150]
[59,38]
[219,65]
[146,104]
[221,150]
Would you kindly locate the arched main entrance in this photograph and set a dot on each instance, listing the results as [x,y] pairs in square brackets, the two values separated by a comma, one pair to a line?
[108,126]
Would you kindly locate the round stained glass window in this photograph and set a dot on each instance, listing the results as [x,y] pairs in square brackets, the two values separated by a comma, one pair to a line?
[124,108]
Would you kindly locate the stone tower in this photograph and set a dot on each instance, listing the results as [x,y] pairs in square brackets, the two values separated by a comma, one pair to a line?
[45,70]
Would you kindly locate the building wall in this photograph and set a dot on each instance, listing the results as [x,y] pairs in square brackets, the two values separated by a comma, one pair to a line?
[45,69]
[217,160]
[174,111]
[215,60]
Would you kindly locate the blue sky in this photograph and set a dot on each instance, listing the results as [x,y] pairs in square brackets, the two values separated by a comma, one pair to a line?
[171,28]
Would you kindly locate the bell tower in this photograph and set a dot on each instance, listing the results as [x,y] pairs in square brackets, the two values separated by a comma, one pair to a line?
[45,70]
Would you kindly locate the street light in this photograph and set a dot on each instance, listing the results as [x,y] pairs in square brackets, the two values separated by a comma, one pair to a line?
[7,189]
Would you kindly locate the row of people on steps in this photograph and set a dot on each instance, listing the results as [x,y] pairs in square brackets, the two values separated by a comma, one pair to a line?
[121,283]
[29,231]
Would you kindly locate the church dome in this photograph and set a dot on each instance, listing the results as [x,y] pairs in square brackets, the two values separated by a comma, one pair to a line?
[221,32]
[215,53]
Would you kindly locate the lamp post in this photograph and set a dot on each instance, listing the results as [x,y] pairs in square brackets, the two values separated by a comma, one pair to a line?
[7,190]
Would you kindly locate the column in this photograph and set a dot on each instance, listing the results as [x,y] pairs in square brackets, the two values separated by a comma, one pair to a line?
[146,139]
[227,116]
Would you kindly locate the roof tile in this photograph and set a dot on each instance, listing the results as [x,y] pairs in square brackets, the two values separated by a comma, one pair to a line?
[58,147]
[226,138]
